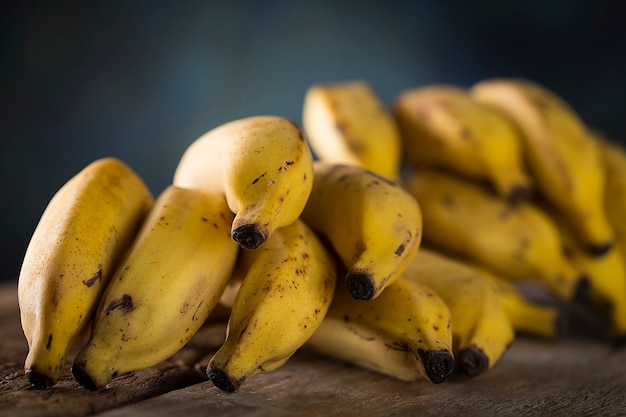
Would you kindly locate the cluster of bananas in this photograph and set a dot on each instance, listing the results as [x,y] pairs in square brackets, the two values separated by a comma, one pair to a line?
[393,239]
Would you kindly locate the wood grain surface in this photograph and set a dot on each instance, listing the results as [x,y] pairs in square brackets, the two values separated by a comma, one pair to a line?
[572,376]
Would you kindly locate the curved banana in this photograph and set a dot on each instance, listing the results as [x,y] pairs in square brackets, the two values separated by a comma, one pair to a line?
[374,224]
[87,225]
[347,123]
[516,241]
[164,290]
[264,166]
[526,316]
[562,157]
[443,126]
[285,292]
[613,156]
[407,324]
[606,274]
[481,330]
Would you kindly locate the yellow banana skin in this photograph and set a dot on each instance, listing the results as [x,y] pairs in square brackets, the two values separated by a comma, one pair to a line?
[85,228]
[614,162]
[347,123]
[481,329]
[285,292]
[443,126]
[517,241]
[164,290]
[408,322]
[562,157]
[264,166]
[373,224]
[526,316]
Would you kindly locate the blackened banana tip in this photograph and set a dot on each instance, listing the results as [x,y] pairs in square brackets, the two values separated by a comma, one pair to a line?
[39,380]
[221,380]
[582,293]
[473,361]
[619,342]
[82,377]
[600,249]
[438,365]
[361,285]
[519,194]
[249,236]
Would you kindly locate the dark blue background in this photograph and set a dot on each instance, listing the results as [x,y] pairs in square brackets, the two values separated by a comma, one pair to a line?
[140,80]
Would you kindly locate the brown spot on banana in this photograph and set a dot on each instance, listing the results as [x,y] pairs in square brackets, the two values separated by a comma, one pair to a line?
[124,303]
[49,342]
[97,277]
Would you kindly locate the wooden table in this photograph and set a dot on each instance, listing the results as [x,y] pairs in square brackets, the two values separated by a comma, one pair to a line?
[568,377]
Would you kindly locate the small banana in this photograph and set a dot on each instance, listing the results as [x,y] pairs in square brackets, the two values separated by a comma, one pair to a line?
[562,157]
[87,225]
[347,123]
[284,294]
[443,126]
[373,224]
[264,166]
[526,316]
[165,288]
[407,324]
[481,330]
[517,241]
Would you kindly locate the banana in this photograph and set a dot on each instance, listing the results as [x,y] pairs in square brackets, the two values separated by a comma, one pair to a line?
[481,330]
[606,274]
[169,282]
[347,123]
[526,316]
[562,157]
[442,126]
[264,166]
[83,231]
[404,333]
[516,241]
[285,292]
[373,224]
[613,156]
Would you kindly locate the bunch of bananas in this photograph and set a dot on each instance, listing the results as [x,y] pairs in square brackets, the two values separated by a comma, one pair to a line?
[393,239]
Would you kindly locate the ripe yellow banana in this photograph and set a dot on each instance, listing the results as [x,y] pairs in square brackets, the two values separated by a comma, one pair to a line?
[614,162]
[404,333]
[481,329]
[285,292]
[517,241]
[168,284]
[264,166]
[606,274]
[443,126]
[347,123]
[562,157]
[526,316]
[87,225]
[373,224]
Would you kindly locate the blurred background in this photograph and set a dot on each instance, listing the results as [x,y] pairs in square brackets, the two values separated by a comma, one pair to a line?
[141,80]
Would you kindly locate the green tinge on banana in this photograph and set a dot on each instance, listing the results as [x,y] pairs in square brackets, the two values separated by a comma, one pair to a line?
[285,289]
[85,229]
[264,166]
[373,224]
[160,295]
